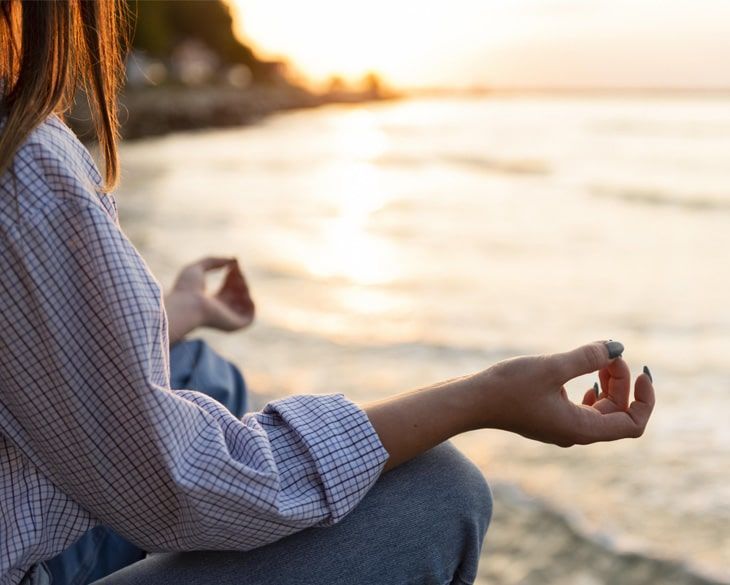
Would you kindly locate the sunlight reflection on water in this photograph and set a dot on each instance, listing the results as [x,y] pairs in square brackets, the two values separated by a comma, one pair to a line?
[390,246]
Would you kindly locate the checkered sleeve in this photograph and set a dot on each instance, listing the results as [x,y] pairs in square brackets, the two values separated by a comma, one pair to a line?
[168,469]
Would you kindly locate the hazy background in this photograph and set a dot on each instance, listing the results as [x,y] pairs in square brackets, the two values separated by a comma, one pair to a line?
[500,43]
[462,182]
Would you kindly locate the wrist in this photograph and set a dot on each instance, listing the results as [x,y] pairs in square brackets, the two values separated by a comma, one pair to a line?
[185,312]
[483,396]
[466,403]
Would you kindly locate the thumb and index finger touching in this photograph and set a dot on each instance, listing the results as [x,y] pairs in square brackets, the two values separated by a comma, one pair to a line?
[588,358]
[605,357]
[215,262]
[210,263]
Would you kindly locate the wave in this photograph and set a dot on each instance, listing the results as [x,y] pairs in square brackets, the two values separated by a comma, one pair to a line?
[417,350]
[526,167]
[688,129]
[657,197]
[532,543]
[495,165]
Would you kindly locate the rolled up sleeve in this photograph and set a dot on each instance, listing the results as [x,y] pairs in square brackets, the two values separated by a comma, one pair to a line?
[168,469]
[345,452]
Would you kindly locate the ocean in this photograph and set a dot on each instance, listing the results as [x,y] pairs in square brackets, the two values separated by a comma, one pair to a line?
[396,244]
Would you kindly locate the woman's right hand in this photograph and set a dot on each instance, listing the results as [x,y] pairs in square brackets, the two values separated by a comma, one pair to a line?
[526,395]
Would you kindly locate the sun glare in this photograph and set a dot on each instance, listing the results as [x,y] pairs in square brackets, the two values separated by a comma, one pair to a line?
[522,43]
[354,186]
[400,40]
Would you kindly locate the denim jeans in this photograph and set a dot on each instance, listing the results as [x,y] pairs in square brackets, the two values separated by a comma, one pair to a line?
[422,523]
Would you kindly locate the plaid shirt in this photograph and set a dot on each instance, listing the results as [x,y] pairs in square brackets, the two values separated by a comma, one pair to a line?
[90,431]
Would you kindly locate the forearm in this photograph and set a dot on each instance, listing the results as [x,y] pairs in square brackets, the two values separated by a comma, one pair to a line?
[524,395]
[184,313]
[413,422]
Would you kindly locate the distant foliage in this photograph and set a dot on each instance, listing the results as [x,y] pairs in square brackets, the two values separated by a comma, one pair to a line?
[162,25]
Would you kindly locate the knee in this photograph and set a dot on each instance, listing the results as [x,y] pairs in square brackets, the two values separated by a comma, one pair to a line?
[465,493]
[451,507]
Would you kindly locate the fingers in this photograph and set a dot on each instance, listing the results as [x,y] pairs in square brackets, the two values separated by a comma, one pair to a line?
[586,359]
[235,280]
[627,424]
[214,262]
[227,319]
[235,294]
[604,376]
[616,386]
[589,398]
[644,401]
[619,383]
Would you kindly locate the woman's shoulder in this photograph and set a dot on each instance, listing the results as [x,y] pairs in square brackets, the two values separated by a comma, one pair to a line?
[63,139]
[51,165]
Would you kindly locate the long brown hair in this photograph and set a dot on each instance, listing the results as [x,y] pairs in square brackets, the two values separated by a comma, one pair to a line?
[50,49]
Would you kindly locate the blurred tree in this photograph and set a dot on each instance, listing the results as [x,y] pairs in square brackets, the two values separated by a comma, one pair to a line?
[336,84]
[372,84]
[161,25]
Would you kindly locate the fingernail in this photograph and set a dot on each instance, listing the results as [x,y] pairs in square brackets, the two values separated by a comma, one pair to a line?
[595,389]
[615,349]
[648,373]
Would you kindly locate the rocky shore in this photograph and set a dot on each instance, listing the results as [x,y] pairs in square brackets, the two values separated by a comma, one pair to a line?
[153,111]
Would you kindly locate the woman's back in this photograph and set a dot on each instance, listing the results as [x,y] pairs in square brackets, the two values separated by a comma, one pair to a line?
[50,165]
[86,404]
[51,170]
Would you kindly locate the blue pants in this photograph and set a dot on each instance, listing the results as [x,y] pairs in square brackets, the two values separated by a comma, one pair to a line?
[422,523]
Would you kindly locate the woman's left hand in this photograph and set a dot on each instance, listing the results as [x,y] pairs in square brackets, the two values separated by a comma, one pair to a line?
[189,305]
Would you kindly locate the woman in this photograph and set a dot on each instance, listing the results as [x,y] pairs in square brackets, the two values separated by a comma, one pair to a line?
[91,435]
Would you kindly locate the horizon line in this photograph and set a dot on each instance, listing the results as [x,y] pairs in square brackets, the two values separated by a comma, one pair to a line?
[478,89]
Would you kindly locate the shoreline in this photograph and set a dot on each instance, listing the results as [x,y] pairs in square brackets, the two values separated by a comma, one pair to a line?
[520,527]
[155,111]
[158,110]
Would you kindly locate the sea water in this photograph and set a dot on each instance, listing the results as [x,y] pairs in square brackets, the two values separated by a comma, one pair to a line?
[393,245]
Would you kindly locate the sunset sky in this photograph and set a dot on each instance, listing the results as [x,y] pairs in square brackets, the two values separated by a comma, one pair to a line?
[525,43]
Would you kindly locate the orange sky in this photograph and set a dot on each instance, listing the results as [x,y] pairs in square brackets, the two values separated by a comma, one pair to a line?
[544,43]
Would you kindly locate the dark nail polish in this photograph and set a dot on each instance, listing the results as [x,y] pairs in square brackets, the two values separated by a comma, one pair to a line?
[615,349]
[595,389]
[648,373]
